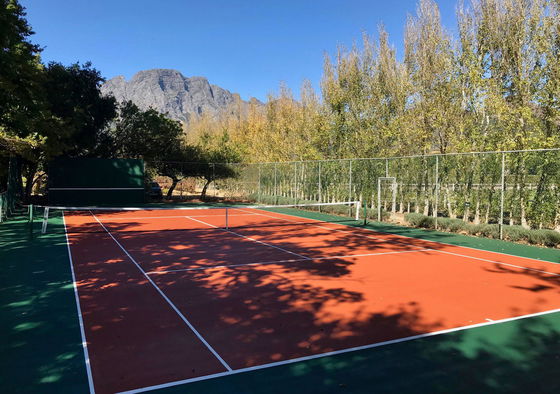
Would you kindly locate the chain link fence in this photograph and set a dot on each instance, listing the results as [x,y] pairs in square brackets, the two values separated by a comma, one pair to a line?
[503,188]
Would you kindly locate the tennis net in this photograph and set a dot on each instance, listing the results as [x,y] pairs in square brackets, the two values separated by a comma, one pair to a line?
[143,219]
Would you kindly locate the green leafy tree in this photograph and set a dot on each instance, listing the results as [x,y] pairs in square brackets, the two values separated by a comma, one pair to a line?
[151,136]
[20,94]
[215,154]
[73,118]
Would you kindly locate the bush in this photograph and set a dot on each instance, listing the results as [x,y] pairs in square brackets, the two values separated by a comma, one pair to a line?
[552,238]
[490,230]
[537,237]
[549,238]
[457,225]
[444,224]
[419,220]
[474,229]
[516,233]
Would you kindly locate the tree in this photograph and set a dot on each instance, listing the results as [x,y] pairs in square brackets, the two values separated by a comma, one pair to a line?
[179,164]
[73,117]
[214,159]
[151,136]
[147,135]
[20,100]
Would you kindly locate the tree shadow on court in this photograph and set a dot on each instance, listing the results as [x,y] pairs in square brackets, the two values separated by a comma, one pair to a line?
[257,315]
[186,248]
[514,357]
[541,281]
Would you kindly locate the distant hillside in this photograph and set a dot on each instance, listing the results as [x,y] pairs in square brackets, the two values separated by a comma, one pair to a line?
[169,91]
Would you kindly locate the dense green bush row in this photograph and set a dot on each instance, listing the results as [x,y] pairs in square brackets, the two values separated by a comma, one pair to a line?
[548,238]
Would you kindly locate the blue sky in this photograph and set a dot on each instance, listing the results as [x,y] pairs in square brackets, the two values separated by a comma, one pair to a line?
[247,47]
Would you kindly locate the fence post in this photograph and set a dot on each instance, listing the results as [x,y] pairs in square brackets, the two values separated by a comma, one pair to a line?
[259,183]
[350,181]
[437,194]
[320,191]
[275,185]
[379,199]
[387,168]
[295,192]
[502,196]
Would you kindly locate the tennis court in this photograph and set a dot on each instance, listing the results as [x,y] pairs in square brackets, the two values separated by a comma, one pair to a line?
[171,297]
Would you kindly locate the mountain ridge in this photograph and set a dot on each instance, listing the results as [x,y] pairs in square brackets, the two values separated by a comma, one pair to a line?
[169,91]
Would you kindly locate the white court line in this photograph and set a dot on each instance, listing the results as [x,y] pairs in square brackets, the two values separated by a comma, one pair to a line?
[441,243]
[336,352]
[285,261]
[166,298]
[82,330]
[180,216]
[249,238]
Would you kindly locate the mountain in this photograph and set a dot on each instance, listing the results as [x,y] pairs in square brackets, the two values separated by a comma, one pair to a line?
[169,91]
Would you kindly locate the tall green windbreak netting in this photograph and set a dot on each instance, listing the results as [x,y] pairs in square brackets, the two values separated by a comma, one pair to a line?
[520,187]
[93,181]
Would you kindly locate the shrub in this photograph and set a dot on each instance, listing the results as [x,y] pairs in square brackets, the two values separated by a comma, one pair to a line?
[474,229]
[413,218]
[549,238]
[537,237]
[490,230]
[419,220]
[552,238]
[516,233]
[444,224]
[455,225]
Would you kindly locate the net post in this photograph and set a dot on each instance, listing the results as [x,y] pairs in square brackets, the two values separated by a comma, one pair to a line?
[350,180]
[502,192]
[437,194]
[379,199]
[364,203]
[357,204]
[45,220]
[30,208]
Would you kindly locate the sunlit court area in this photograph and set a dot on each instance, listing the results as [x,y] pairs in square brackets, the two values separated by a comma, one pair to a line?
[393,226]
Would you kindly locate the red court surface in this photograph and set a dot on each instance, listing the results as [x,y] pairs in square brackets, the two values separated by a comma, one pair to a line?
[171,296]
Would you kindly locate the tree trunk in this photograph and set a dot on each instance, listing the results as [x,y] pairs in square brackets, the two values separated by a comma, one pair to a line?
[174,182]
[477,213]
[204,189]
[450,210]
[30,172]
